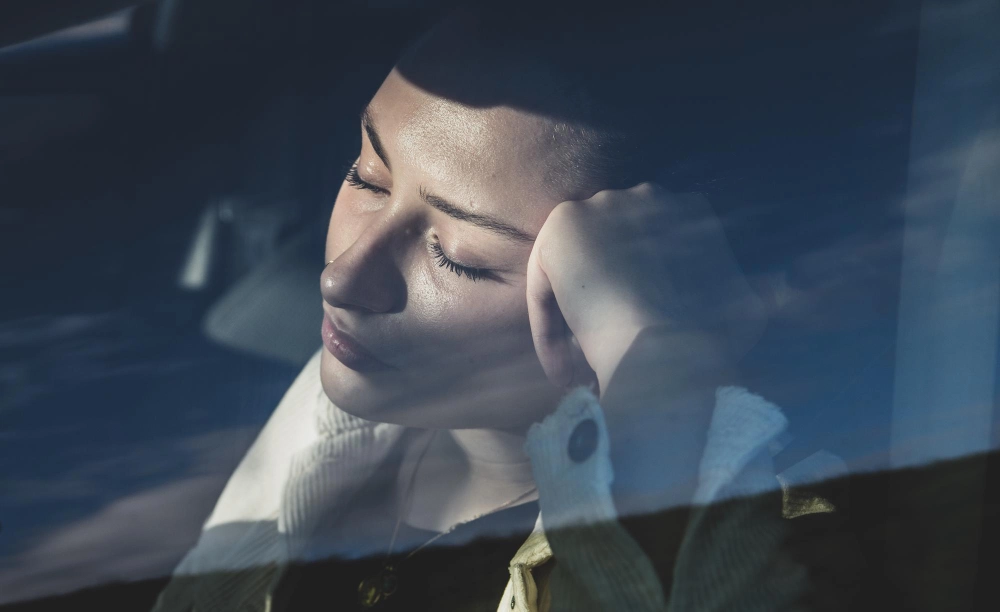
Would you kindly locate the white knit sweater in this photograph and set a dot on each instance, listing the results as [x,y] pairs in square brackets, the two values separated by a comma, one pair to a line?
[311,458]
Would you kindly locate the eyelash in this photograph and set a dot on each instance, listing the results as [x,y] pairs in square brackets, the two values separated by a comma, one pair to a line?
[474,274]
[354,180]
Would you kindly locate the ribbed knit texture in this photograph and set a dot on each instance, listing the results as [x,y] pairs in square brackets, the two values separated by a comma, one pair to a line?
[311,459]
[305,467]
[733,558]
[743,424]
[576,492]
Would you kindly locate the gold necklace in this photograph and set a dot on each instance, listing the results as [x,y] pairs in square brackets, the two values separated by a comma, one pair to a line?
[375,590]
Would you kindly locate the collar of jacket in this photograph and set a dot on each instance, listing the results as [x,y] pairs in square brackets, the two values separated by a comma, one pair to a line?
[575,492]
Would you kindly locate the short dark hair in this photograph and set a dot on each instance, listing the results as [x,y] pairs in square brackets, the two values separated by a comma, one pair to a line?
[736,100]
[790,115]
[546,59]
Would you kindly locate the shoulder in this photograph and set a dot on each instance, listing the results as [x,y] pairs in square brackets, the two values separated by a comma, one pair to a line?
[253,491]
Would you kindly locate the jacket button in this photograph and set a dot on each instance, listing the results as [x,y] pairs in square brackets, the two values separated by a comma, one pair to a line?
[583,441]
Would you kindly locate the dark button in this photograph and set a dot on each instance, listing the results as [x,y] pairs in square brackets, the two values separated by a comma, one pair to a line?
[583,441]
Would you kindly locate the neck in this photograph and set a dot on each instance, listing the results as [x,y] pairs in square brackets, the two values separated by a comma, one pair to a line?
[494,454]
[464,473]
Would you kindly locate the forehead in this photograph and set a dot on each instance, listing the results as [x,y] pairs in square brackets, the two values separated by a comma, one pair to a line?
[496,159]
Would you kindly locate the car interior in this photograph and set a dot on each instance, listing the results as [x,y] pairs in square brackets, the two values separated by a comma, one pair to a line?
[167,171]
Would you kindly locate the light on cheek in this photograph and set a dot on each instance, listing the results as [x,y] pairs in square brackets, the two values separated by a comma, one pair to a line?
[430,293]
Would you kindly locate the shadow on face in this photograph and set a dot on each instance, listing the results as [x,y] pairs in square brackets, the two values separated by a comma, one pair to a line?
[426,316]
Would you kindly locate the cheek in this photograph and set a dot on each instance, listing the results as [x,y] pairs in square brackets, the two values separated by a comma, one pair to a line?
[448,323]
[468,324]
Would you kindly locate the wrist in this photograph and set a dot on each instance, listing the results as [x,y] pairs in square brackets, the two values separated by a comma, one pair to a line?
[664,357]
[609,349]
[608,342]
[658,406]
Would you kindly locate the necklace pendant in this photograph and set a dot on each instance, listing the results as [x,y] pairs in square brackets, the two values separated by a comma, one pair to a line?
[375,590]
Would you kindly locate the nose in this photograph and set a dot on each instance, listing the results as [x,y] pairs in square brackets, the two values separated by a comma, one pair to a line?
[366,275]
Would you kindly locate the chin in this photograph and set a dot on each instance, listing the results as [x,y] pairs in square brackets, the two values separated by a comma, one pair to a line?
[421,402]
[351,391]
[381,398]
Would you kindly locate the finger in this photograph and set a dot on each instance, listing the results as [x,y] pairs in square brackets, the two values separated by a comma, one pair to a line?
[549,330]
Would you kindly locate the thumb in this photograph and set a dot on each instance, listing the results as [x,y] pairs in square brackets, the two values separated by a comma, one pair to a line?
[549,330]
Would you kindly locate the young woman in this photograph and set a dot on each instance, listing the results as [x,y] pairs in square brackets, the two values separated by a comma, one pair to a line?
[519,337]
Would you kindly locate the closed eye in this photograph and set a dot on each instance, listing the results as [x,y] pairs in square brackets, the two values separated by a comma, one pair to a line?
[354,180]
[473,274]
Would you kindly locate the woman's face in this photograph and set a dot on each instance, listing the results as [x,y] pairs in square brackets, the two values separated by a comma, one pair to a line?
[425,312]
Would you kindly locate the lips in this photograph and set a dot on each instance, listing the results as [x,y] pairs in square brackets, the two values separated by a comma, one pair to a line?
[347,350]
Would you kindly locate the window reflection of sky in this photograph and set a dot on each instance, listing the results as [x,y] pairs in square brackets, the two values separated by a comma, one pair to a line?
[107,458]
[107,31]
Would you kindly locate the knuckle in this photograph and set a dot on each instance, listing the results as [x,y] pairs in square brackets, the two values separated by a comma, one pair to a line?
[600,195]
[566,213]
[647,188]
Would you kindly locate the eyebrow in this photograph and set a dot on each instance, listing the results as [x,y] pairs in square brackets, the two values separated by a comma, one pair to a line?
[484,221]
[369,125]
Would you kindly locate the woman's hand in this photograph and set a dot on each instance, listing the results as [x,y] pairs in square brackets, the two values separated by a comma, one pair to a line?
[604,269]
